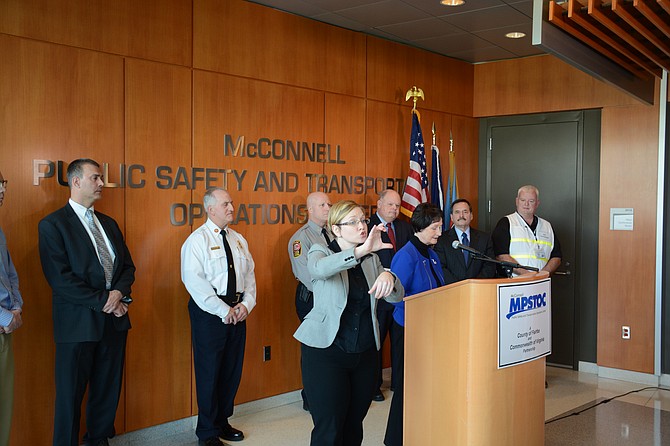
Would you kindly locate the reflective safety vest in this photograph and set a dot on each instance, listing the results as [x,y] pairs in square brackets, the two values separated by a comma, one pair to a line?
[528,248]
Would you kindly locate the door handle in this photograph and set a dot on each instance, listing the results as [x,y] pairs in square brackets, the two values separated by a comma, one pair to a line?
[562,273]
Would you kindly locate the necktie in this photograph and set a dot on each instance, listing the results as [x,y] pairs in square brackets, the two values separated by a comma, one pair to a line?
[232,280]
[325,235]
[391,233]
[466,242]
[101,246]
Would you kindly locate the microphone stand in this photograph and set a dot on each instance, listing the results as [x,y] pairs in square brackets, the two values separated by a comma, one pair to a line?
[506,266]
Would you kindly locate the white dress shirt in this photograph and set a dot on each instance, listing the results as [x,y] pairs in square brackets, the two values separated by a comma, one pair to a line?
[81,213]
[204,267]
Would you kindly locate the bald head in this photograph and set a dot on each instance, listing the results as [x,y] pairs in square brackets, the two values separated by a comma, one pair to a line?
[388,205]
[318,206]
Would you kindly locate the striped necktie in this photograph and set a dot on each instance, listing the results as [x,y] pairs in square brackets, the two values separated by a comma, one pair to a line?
[103,253]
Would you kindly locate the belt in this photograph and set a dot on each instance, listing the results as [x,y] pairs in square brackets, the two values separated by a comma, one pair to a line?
[232,301]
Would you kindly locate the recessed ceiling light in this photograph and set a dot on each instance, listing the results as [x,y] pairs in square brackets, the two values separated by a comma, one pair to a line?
[452,2]
[515,35]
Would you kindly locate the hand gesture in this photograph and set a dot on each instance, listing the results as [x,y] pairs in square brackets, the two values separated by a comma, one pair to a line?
[383,286]
[374,241]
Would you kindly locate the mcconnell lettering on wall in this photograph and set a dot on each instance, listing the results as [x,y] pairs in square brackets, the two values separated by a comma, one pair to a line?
[138,176]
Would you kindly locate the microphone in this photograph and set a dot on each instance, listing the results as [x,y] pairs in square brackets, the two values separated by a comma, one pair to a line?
[457,245]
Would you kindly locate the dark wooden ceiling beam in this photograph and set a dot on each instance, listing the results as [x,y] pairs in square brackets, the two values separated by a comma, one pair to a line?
[559,17]
[619,9]
[579,16]
[597,12]
[653,17]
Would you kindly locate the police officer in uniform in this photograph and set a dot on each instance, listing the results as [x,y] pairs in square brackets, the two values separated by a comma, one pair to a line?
[314,231]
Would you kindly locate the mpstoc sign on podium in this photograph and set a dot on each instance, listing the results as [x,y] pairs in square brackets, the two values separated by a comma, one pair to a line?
[524,322]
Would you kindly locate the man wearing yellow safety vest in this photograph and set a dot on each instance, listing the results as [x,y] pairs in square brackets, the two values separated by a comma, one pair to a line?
[525,238]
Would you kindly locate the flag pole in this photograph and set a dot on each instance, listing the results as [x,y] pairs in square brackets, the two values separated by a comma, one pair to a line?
[416,185]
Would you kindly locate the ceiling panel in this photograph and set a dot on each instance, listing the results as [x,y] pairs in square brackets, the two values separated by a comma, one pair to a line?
[387,12]
[475,32]
[421,29]
[477,27]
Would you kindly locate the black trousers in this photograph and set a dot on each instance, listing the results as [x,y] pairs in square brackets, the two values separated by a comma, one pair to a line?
[304,302]
[98,365]
[394,431]
[386,325]
[340,388]
[218,354]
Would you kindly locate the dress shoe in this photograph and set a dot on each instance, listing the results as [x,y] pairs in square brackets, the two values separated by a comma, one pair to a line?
[212,441]
[231,434]
[101,442]
[378,397]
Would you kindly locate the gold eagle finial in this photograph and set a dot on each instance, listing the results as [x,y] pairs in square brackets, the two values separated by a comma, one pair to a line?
[415,94]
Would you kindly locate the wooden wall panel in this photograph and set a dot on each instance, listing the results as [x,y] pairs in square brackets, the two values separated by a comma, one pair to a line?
[158,133]
[387,132]
[150,30]
[628,177]
[345,126]
[393,69]
[539,84]
[45,115]
[279,77]
[466,147]
[267,44]
[264,111]
[388,136]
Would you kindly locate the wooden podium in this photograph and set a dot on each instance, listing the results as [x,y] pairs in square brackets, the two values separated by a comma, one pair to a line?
[454,392]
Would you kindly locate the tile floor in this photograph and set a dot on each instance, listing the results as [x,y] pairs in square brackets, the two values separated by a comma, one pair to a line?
[639,418]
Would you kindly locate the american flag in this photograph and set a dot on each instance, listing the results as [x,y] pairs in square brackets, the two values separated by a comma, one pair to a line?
[416,186]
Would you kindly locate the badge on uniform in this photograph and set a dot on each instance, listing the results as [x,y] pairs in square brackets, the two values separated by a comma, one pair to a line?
[297,248]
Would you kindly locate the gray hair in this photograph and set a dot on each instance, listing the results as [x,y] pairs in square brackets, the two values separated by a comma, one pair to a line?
[529,188]
[209,199]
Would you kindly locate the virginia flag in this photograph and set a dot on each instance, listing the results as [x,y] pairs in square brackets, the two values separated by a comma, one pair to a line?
[436,189]
[416,186]
[452,186]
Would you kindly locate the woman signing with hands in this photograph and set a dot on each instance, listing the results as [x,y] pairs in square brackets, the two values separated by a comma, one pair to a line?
[340,336]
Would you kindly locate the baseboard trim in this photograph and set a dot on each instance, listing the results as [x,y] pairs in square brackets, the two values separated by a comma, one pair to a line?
[625,375]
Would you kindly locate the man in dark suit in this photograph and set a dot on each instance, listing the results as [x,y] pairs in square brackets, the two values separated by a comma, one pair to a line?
[90,271]
[398,232]
[457,264]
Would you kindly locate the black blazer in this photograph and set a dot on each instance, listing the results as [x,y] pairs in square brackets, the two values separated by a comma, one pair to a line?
[71,266]
[453,262]
[403,232]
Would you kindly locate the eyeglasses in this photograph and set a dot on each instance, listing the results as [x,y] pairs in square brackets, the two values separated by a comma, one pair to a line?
[365,221]
[3,184]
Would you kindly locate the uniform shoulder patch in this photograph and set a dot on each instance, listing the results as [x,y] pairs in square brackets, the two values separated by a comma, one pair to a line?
[297,248]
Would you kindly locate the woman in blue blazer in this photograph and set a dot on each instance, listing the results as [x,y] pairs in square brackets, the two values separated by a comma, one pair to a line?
[340,335]
[418,268]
